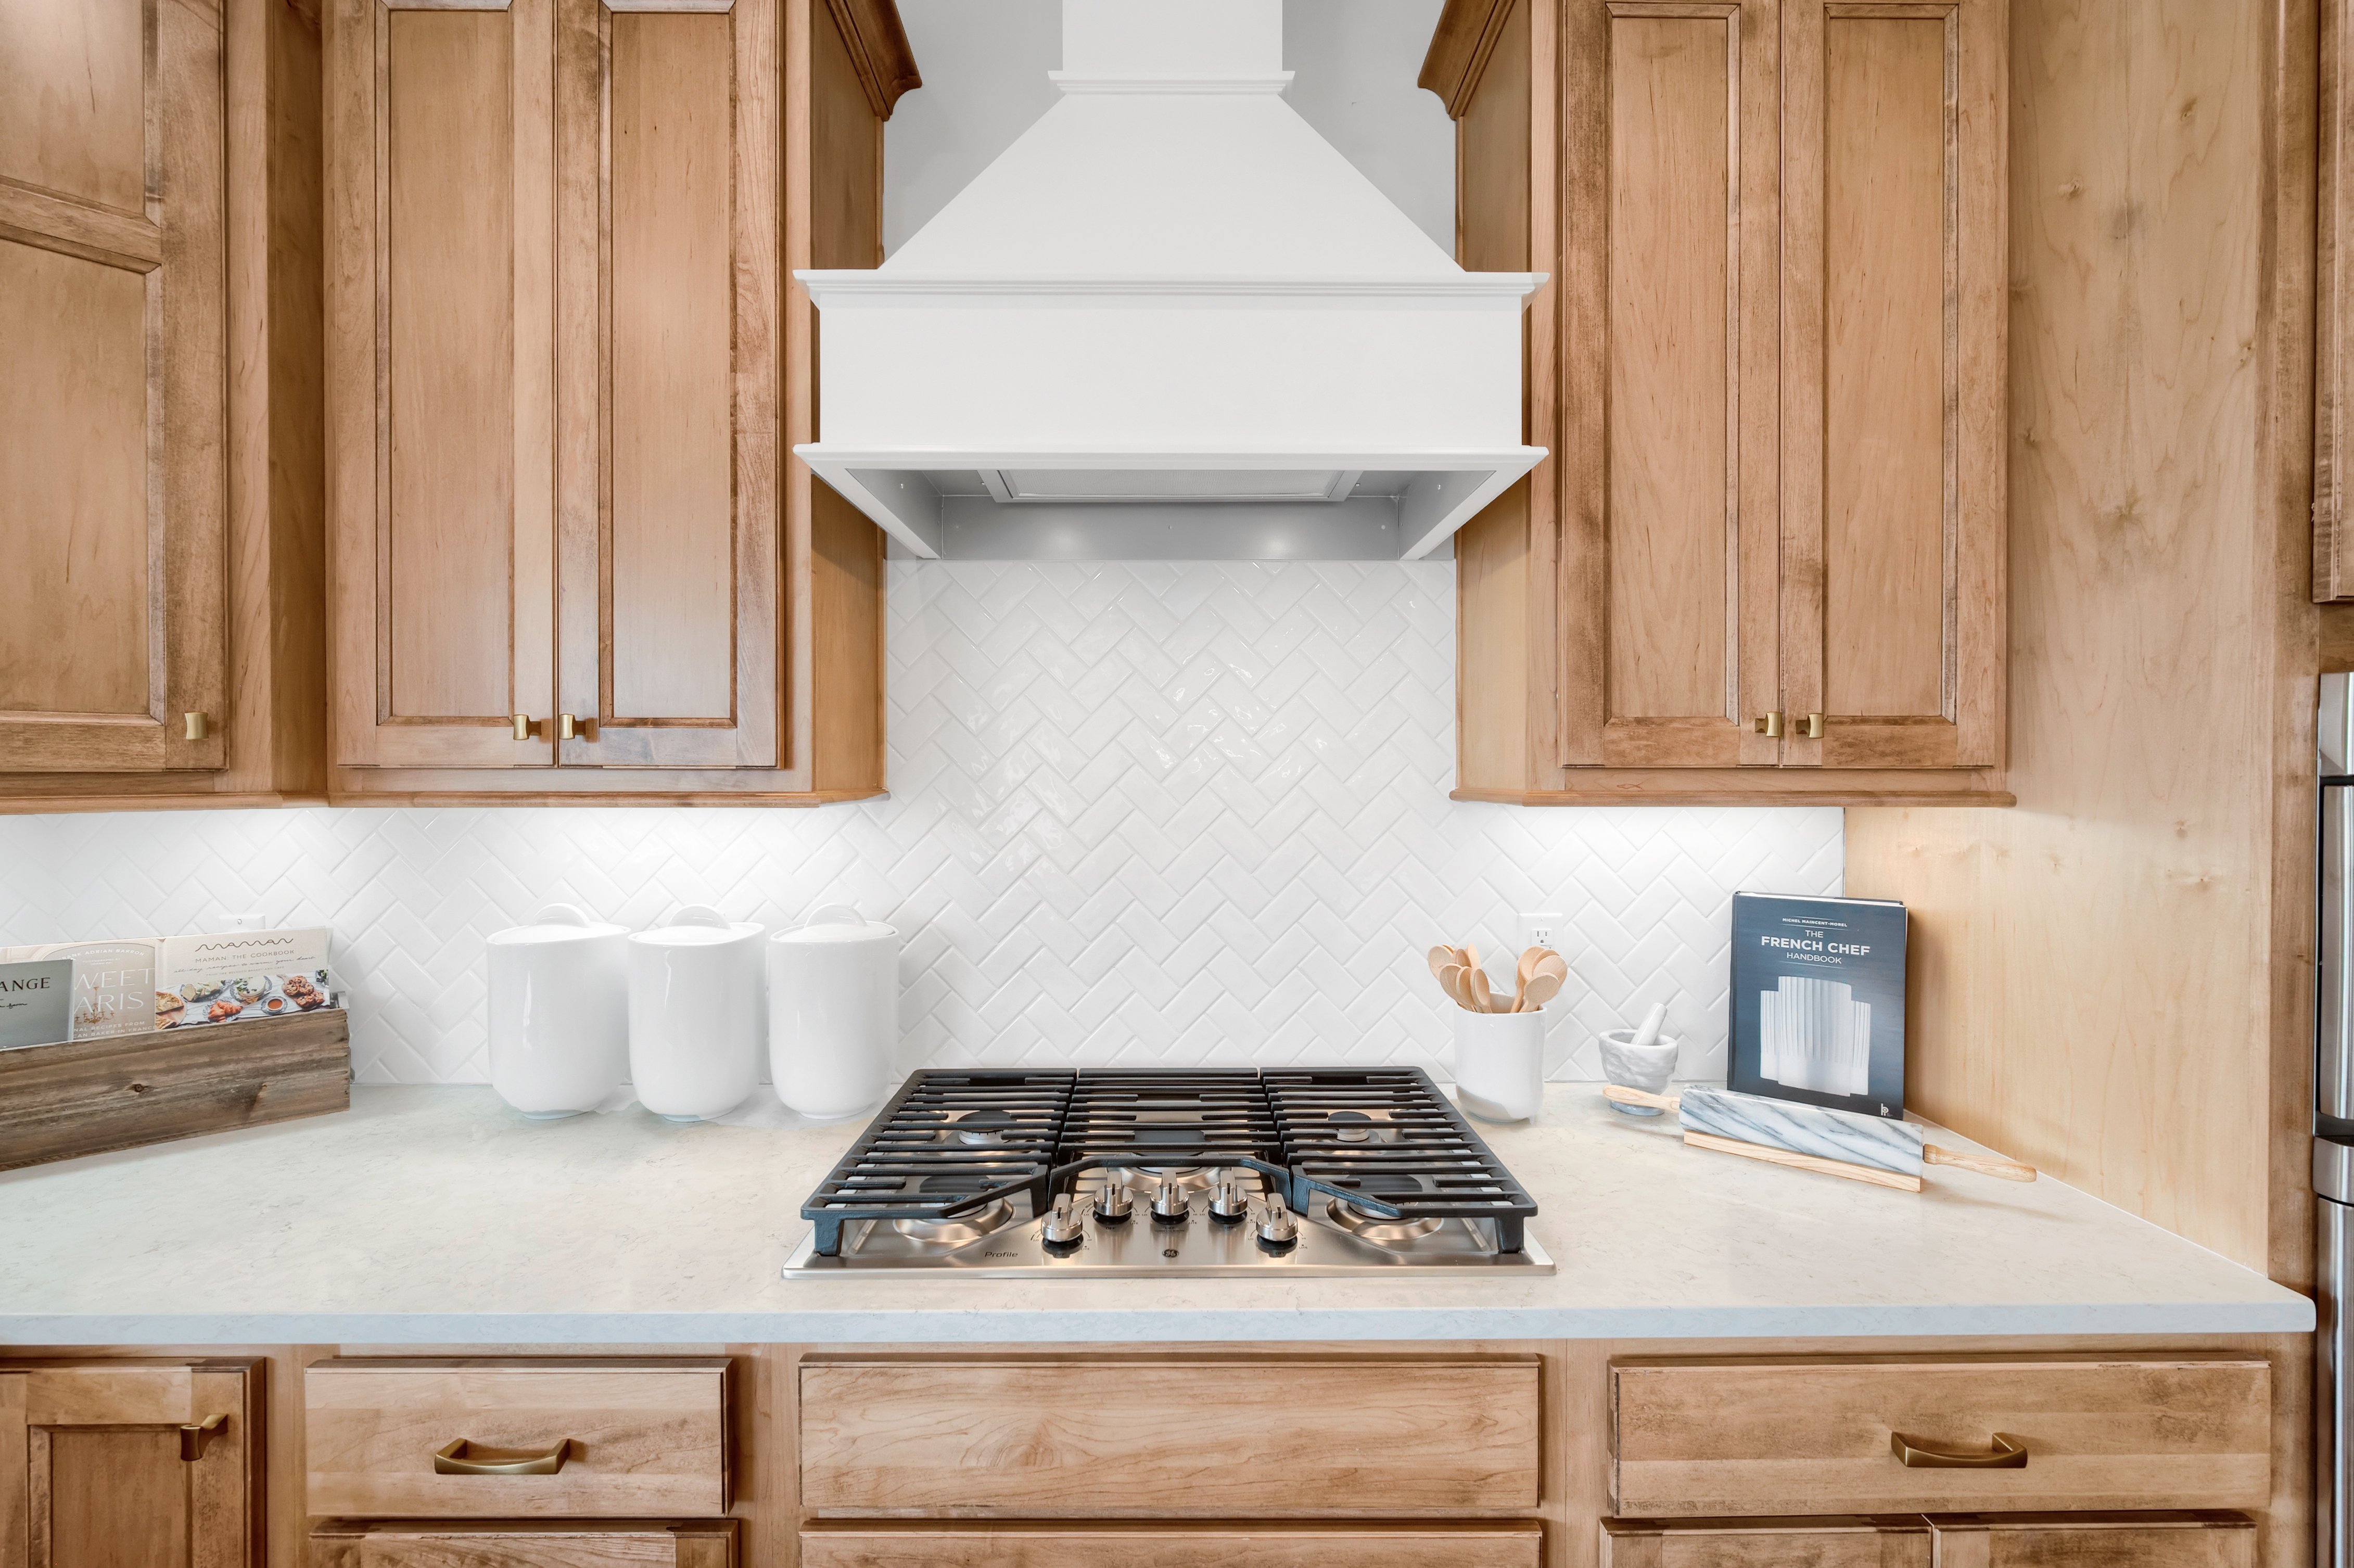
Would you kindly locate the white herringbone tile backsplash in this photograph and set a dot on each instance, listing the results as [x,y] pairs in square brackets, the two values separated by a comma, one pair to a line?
[1150,814]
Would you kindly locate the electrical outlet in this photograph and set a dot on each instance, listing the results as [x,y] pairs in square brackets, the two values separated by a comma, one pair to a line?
[253,921]
[1540,930]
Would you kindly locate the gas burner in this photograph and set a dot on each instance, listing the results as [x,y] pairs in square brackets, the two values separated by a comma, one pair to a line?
[980,1129]
[1374,1228]
[964,1228]
[1351,1127]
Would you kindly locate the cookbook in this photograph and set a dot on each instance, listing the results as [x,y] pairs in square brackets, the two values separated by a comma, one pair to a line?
[1819,1001]
[36,1001]
[141,984]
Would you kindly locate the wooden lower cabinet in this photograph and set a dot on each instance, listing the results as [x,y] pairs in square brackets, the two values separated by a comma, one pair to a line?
[635,1543]
[1174,1546]
[144,1464]
[2177,1540]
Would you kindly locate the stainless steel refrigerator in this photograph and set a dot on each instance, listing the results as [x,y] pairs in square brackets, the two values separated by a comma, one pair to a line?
[2333,1129]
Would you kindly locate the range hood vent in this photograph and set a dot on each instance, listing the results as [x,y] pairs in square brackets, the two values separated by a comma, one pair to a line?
[1170,321]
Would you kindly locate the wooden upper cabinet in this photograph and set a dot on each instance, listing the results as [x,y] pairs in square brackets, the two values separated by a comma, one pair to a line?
[2333,366]
[113,376]
[567,559]
[1763,559]
[155,1463]
[1893,305]
[1670,383]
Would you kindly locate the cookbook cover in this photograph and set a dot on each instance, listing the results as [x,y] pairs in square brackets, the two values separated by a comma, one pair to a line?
[36,1002]
[226,977]
[1819,1001]
[114,985]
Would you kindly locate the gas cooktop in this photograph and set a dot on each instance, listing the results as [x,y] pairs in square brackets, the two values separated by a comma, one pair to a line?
[1102,1172]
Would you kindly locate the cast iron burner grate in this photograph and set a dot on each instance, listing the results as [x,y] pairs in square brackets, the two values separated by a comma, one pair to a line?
[949,1135]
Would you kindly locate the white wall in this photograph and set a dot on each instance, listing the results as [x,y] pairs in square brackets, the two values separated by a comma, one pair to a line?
[984,67]
[1144,814]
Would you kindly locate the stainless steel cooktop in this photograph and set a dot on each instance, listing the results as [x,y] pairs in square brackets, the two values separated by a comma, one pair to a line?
[1178,1174]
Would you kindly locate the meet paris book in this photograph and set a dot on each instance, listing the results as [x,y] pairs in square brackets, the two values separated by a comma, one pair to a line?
[1819,1001]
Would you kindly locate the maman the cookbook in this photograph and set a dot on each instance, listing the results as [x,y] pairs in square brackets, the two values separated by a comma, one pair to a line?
[1819,1001]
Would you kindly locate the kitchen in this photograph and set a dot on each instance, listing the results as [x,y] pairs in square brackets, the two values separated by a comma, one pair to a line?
[1186,805]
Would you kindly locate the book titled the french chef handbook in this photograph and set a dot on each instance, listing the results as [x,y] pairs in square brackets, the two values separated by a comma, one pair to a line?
[1819,1001]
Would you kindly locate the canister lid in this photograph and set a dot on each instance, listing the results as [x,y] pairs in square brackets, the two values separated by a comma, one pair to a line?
[839,922]
[695,926]
[555,923]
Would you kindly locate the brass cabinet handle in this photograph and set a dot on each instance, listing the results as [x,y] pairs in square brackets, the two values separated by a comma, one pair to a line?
[1770,725]
[194,725]
[524,726]
[2009,1454]
[195,1435]
[574,726]
[1814,730]
[451,1460]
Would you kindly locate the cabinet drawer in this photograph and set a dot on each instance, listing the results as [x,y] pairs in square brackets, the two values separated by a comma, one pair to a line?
[2098,1540]
[1217,1438]
[1900,1542]
[639,1438]
[1174,1546]
[706,1544]
[1792,1436]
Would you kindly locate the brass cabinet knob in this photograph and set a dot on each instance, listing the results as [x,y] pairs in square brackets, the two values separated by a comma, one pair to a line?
[198,726]
[524,726]
[195,1435]
[1770,725]
[574,726]
[1814,730]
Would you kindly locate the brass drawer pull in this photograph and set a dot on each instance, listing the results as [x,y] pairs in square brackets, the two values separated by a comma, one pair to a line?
[1770,725]
[452,1460]
[523,725]
[2009,1453]
[195,1435]
[1814,729]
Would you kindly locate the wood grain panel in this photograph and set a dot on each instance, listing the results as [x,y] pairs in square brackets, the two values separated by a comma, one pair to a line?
[2332,290]
[671,567]
[448,257]
[1176,1438]
[73,99]
[643,1437]
[2118,1541]
[1893,328]
[846,643]
[1674,531]
[1667,353]
[112,1497]
[74,604]
[710,1544]
[2144,586]
[1831,1542]
[1779,1437]
[1886,447]
[1174,1546]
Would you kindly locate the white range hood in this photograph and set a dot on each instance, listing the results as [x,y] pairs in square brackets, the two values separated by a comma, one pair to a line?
[1171,322]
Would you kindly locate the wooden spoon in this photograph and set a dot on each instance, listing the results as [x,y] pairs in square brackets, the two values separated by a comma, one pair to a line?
[1520,976]
[1480,993]
[1543,988]
[1440,958]
[1450,980]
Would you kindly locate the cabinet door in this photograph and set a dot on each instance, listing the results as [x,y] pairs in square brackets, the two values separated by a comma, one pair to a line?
[1163,1546]
[1829,1542]
[669,151]
[113,378]
[439,387]
[1893,403]
[1668,361]
[648,1544]
[2333,369]
[2100,1540]
[103,1464]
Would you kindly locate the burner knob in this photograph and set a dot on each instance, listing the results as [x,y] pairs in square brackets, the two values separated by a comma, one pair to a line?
[1279,1227]
[1112,1204]
[1230,1204]
[1171,1206]
[1064,1224]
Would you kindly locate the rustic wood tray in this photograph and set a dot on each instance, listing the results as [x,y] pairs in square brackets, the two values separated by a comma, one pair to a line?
[85,1096]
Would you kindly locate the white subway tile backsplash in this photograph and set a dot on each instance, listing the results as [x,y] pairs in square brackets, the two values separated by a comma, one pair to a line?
[1139,813]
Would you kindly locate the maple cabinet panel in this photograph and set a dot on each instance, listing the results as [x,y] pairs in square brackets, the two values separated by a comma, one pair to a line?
[2103,1540]
[343,1543]
[113,377]
[572,559]
[146,1462]
[1161,1545]
[1825,1542]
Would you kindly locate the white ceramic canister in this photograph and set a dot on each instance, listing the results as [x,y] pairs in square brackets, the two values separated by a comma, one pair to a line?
[1498,1064]
[695,1014]
[559,1012]
[834,1012]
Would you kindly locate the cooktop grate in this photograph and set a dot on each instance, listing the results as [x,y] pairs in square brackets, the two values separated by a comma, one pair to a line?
[948,1135]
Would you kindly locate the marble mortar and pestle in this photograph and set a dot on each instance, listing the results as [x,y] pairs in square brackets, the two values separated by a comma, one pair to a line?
[1641,1058]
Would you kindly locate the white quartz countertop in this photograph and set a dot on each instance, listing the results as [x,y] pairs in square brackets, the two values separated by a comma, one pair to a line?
[437,1216]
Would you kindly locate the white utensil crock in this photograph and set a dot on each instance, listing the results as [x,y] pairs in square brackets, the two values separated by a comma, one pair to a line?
[1498,1064]
[834,1012]
[559,1012]
[694,1014]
